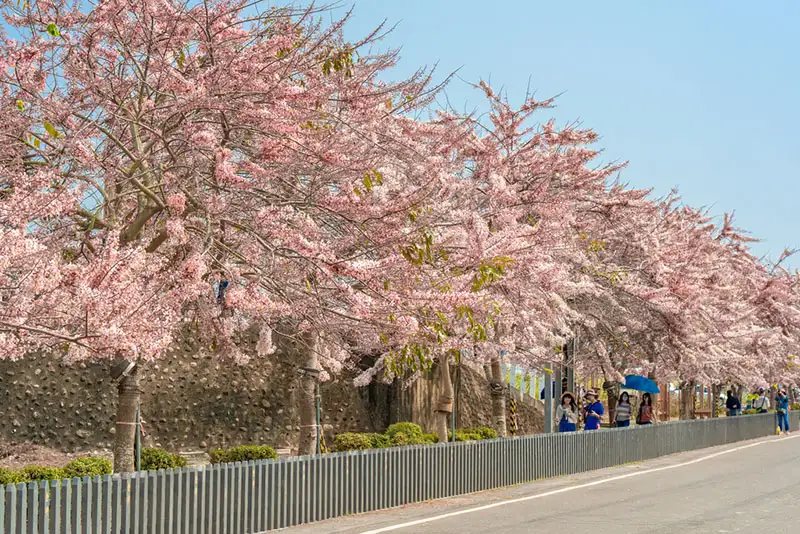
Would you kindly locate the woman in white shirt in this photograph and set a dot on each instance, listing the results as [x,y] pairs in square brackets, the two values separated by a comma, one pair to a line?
[567,413]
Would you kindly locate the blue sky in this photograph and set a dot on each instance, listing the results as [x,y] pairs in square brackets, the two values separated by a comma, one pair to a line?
[702,96]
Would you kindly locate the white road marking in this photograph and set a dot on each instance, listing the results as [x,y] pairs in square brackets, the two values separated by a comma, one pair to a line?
[571,488]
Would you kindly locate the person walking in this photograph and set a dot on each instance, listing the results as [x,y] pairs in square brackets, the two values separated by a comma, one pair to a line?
[645,416]
[567,413]
[761,404]
[624,411]
[732,404]
[782,405]
[592,412]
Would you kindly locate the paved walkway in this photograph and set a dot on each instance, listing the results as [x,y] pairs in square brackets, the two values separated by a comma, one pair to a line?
[746,487]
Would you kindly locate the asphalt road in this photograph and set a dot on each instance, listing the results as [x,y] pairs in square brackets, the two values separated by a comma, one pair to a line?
[746,487]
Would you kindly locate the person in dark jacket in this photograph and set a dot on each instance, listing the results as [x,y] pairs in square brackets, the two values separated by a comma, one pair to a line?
[732,404]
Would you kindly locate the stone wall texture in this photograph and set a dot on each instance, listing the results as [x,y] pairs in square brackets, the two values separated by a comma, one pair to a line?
[191,401]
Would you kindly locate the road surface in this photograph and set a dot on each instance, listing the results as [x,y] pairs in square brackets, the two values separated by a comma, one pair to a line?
[746,487]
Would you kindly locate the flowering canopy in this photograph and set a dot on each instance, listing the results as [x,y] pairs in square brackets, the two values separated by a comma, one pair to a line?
[155,148]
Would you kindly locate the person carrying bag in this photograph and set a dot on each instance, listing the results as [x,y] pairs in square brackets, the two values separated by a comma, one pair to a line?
[761,404]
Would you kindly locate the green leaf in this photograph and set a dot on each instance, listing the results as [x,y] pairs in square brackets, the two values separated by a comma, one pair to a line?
[181,59]
[20,105]
[53,30]
[51,130]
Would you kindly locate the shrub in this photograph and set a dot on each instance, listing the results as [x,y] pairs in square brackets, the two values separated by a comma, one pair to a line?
[39,472]
[412,431]
[397,435]
[485,432]
[474,434]
[353,441]
[795,407]
[467,435]
[217,455]
[430,438]
[406,434]
[242,453]
[88,467]
[154,459]
[7,476]
[381,441]
[400,439]
[245,453]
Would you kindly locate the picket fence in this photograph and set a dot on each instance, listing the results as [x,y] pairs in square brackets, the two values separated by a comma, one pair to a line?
[254,497]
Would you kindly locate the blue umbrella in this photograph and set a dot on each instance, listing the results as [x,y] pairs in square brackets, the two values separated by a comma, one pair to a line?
[640,383]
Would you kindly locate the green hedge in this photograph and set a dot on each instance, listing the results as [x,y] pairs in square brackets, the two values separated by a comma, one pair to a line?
[400,434]
[39,472]
[8,476]
[82,467]
[154,459]
[357,441]
[88,467]
[411,431]
[474,434]
[430,438]
[242,453]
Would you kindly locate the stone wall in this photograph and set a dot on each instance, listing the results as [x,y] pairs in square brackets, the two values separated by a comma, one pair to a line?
[195,401]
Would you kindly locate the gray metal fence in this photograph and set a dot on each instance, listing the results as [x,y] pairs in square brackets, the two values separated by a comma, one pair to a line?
[255,497]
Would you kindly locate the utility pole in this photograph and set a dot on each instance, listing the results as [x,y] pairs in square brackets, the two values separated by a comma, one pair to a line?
[548,400]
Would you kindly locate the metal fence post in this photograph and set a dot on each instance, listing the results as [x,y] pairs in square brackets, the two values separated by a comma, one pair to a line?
[253,497]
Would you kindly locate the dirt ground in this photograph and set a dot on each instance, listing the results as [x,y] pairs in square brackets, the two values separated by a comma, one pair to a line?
[17,455]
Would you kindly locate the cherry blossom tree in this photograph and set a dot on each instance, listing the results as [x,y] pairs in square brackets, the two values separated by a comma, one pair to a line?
[209,167]
[156,150]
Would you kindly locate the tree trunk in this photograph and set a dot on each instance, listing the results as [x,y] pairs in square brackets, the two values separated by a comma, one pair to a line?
[444,405]
[715,391]
[487,371]
[612,390]
[687,400]
[308,389]
[740,393]
[498,392]
[666,403]
[125,436]
[653,397]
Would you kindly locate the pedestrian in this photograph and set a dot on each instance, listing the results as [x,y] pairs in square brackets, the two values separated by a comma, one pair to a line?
[761,404]
[567,413]
[645,416]
[782,405]
[732,404]
[592,411]
[624,411]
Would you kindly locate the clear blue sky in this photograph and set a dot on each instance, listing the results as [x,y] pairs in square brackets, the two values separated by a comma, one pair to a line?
[698,95]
